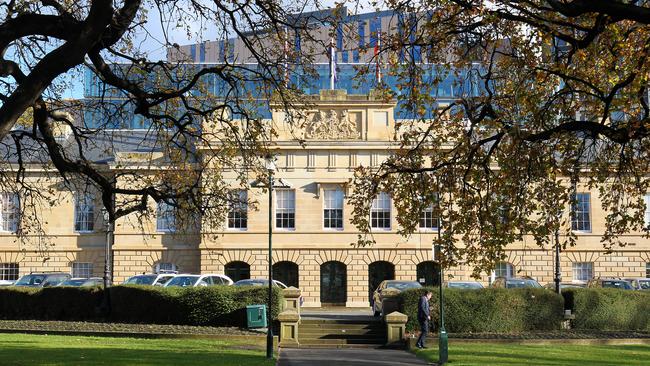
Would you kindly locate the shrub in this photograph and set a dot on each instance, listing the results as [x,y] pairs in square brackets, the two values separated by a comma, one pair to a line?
[488,310]
[215,306]
[609,309]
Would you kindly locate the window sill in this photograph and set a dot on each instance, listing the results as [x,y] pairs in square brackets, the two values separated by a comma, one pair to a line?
[581,231]
[236,229]
[333,229]
[85,232]
[165,231]
[284,229]
[428,230]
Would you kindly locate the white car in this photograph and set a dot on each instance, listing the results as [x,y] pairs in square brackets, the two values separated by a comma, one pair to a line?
[152,279]
[190,280]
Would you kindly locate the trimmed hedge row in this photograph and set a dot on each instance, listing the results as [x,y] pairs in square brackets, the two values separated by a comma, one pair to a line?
[488,310]
[608,309]
[214,306]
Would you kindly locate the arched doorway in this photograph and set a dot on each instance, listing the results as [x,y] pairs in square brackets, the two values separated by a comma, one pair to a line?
[377,272]
[238,271]
[333,283]
[428,273]
[286,272]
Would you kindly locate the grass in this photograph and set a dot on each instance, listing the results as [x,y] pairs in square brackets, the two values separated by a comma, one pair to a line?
[25,349]
[470,354]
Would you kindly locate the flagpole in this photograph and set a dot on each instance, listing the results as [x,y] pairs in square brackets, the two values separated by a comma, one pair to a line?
[332,64]
[377,59]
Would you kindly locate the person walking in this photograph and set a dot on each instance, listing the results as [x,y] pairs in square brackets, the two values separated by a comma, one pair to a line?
[424,315]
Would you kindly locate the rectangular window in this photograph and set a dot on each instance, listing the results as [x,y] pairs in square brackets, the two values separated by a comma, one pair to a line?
[504,269]
[84,212]
[647,270]
[164,267]
[165,217]
[583,271]
[580,212]
[193,52]
[82,270]
[238,213]
[380,212]
[285,209]
[427,220]
[333,209]
[9,271]
[10,211]
[202,52]
[647,211]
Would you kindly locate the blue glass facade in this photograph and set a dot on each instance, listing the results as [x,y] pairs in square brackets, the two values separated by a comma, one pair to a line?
[449,86]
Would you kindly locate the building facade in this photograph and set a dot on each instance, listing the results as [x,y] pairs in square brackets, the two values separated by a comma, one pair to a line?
[312,234]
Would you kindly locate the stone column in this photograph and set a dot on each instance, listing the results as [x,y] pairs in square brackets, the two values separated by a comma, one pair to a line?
[289,320]
[291,299]
[395,328]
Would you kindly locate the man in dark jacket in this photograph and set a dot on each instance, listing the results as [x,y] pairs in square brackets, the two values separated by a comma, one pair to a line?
[424,315]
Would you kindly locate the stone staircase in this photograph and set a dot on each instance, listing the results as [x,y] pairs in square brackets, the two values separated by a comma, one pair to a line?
[341,332]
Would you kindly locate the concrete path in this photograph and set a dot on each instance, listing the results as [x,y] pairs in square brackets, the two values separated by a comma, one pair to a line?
[347,357]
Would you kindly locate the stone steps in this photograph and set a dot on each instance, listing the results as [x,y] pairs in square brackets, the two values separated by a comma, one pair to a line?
[341,333]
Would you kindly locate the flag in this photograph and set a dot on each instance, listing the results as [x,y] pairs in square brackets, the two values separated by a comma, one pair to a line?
[377,58]
[333,77]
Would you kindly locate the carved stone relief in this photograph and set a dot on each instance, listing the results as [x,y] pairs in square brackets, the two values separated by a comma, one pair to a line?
[332,124]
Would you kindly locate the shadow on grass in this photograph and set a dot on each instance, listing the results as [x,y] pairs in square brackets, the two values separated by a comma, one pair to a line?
[11,354]
[490,354]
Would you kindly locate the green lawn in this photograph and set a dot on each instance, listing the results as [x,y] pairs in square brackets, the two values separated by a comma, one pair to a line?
[24,349]
[466,354]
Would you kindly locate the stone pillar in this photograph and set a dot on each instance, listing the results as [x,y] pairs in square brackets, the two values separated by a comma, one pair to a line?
[289,320]
[389,301]
[291,299]
[395,328]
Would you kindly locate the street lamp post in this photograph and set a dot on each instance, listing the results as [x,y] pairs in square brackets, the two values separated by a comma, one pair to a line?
[108,226]
[270,168]
[443,342]
[557,278]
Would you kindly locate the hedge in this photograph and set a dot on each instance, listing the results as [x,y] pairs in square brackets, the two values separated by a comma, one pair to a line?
[214,306]
[608,309]
[488,310]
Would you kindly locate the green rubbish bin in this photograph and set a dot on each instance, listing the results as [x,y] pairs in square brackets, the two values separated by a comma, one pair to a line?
[256,316]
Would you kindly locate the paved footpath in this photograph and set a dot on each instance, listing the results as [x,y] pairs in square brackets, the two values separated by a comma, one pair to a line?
[347,357]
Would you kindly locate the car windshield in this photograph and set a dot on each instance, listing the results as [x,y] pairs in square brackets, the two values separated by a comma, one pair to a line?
[465,285]
[31,280]
[252,283]
[511,283]
[644,284]
[141,280]
[163,280]
[92,282]
[74,282]
[403,285]
[617,284]
[183,281]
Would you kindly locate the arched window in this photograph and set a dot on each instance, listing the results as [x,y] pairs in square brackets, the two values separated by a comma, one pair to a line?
[286,272]
[238,271]
[504,269]
[428,273]
[377,272]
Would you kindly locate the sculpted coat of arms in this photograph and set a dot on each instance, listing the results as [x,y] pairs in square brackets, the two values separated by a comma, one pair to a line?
[331,124]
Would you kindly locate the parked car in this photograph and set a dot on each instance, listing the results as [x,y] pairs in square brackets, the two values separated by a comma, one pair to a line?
[389,285]
[523,282]
[153,279]
[563,285]
[259,282]
[6,283]
[83,282]
[465,285]
[42,279]
[190,280]
[609,283]
[641,283]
